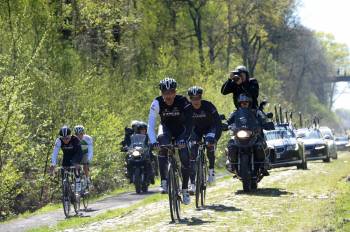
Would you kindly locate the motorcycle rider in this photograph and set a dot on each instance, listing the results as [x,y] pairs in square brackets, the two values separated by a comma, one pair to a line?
[246,101]
[240,82]
[175,123]
[206,124]
[137,127]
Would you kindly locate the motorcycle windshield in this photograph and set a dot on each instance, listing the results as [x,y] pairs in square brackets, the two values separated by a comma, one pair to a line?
[245,118]
[138,140]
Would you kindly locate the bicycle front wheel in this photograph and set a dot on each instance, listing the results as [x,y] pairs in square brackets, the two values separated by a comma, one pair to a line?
[199,180]
[66,197]
[173,193]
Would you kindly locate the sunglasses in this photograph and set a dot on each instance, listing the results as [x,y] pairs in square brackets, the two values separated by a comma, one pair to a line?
[66,137]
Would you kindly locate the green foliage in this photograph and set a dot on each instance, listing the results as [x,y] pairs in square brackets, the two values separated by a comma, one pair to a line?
[98,63]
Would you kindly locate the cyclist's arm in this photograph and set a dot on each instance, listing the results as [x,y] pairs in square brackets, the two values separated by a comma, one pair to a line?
[55,152]
[90,149]
[152,119]
[188,119]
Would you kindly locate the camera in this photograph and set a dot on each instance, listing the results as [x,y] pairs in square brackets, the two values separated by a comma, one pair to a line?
[235,76]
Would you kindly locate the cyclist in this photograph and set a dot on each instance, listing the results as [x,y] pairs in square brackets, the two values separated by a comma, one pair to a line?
[87,149]
[207,125]
[72,153]
[175,123]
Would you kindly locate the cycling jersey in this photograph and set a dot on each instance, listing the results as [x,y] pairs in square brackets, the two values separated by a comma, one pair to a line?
[87,146]
[206,119]
[175,118]
[72,153]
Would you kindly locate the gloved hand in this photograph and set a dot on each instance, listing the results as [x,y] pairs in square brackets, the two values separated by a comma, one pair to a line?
[52,169]
[210,141]
[155,145]
[181,143]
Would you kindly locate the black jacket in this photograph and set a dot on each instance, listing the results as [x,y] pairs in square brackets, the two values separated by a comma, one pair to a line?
[250,87]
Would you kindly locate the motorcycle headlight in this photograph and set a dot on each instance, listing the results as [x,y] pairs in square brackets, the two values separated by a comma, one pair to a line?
[243,134]
[319,147]
[136,153]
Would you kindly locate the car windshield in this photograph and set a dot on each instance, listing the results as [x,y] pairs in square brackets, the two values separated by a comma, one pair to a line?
[314,134]
[279,134]
[327,132]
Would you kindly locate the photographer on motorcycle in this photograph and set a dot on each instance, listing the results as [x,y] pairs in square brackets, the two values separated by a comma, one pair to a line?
[245,101]
[137,127]
[239,82]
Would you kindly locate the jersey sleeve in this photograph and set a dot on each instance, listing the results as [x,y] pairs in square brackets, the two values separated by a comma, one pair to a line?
[188,117]
[55,152]
[152,120]
[90,148]
[216,120]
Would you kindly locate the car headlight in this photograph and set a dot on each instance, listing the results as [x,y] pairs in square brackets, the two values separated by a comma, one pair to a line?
[319,147]
[243,134]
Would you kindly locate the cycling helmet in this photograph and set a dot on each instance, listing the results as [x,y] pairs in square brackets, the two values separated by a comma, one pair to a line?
[65,131]
[244,98]
[194,91]
[78,129]
[167,84]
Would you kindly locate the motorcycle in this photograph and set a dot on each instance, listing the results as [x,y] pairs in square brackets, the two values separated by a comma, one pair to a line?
[250,160]
[138,160]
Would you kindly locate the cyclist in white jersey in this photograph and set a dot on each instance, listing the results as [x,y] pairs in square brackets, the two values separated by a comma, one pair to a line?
[87,148]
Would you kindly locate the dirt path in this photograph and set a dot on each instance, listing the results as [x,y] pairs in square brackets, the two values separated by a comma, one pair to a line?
[287,200]
[52,218]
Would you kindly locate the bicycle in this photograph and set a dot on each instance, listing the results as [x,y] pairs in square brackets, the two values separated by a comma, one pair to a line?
[174,181]
[69,195]
[201,175]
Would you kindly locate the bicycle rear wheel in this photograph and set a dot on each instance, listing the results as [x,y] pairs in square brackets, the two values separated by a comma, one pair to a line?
[204,180]
[173,193]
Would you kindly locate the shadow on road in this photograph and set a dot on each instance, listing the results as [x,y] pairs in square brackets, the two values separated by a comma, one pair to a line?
[193,221]
[220,208]
[266,192]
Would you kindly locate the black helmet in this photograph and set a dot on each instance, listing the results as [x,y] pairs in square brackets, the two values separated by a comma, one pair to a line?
[241,69]
[167,84]
[65,131]
[244,98]
[194,91]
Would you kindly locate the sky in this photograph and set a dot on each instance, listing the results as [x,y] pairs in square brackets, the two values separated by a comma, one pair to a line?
[330,16]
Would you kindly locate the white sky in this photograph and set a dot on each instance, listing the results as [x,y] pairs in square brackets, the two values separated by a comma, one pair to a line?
[330,16]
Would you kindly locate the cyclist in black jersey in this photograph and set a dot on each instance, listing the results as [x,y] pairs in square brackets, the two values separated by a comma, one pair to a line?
[175,124]
[206,125]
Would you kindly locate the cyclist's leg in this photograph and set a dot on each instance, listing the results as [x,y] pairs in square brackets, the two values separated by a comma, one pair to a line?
[193,155]
[164,139]
[211,139]
[185,164]
[85,163]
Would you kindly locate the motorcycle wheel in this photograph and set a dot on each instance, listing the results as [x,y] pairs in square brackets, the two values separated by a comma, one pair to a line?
[245,173]
[137,180]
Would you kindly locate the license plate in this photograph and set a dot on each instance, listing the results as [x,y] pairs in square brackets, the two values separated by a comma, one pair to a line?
[278,156]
